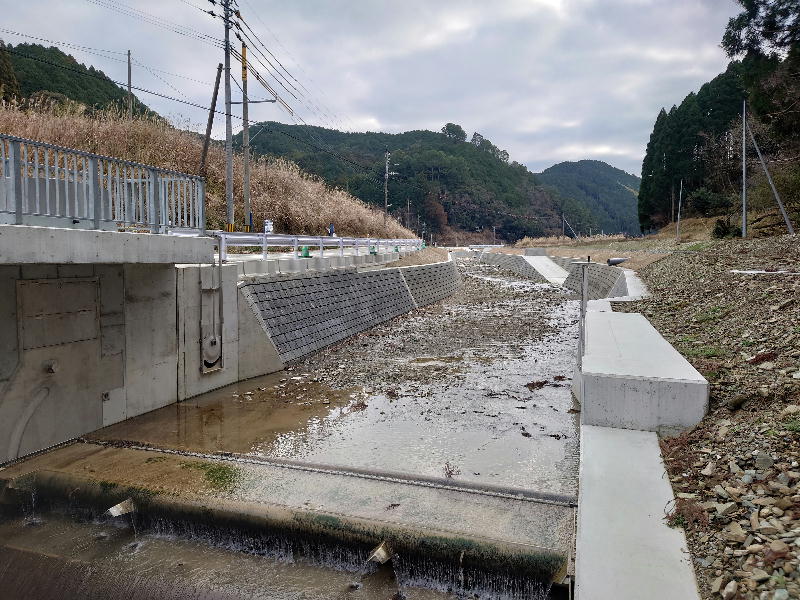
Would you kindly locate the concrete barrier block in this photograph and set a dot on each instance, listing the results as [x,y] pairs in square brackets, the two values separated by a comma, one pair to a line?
[632,378]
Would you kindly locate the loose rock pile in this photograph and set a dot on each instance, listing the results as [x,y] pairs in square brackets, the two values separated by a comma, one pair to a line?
[736,476]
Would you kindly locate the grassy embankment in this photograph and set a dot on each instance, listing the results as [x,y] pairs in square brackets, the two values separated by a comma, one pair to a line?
[296,201]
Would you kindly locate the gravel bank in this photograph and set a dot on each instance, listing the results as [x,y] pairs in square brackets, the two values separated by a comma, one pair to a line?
[737,474]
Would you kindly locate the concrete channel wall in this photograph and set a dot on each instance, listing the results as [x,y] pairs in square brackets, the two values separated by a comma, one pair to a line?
[83,346]
[303,313]
[603,281]
[514,263]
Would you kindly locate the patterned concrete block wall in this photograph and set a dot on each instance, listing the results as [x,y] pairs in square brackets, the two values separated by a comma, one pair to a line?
[563,262]
[431,283]
[604,281]
[514,263]
[305,312]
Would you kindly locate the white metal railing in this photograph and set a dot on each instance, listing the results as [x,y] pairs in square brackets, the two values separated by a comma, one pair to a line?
[49,185]
[265,241]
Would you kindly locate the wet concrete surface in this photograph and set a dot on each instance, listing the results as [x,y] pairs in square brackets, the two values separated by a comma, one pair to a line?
[57,558]
[475,388]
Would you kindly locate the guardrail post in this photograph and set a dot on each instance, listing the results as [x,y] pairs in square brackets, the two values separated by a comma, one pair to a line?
[95,198]
[321,248]
[16,179]
[341,247]
[155,202]
[295,247]
[264,246]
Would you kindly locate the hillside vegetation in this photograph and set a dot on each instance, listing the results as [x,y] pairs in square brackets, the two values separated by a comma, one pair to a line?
[441,182]
[35,73]
[699,141]
[296,201]
[610,194]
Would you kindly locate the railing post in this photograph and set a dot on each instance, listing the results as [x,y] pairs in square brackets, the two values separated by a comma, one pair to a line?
[95,199]
[223,247]
[201,205]
[16,179]
[295,247]
[154,201]
[341,247]
[264,247]
[321,248]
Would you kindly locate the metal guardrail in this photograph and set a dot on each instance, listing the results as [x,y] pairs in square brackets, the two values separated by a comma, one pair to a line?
[48,185]
[296,242]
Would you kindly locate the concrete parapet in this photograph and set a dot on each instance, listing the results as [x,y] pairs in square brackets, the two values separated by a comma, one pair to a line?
[632,378]
[624,549]
[22,244]
[535,252]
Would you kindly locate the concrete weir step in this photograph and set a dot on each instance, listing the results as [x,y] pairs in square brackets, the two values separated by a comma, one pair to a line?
[440,528]
[632,378]
[625,550]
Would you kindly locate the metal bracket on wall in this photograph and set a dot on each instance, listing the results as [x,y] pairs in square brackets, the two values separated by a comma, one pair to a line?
[211,321]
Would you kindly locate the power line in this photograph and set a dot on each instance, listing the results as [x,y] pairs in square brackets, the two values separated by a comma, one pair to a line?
[157,21]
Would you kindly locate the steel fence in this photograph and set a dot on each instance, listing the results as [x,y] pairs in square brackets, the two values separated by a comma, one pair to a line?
[48,185]
[265,241]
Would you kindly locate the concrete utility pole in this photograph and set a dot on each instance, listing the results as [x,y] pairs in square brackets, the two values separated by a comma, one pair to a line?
[678,223]
[386,189]
[248,215]
[744,168]
[494,234]
[771,184]
[130,95]
[210,123]
[226,5]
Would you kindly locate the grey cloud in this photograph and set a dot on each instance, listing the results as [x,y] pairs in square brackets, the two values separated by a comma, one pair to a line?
[549,80]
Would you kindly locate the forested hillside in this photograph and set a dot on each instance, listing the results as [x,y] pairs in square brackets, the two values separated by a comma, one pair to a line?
[609,193]
[439,180]
[699,141]
[34,73]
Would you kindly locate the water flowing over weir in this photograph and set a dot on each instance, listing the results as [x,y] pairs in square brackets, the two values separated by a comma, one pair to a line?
[303,473]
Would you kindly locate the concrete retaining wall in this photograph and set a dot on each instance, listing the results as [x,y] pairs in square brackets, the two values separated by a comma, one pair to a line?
[304,313]
[82,346]
[604,281]
[514,263]
[431,283]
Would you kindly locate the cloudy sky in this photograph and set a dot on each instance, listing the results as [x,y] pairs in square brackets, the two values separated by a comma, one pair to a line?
[548,80]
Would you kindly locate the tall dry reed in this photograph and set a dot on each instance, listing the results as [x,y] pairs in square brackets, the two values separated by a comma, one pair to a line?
[296,201]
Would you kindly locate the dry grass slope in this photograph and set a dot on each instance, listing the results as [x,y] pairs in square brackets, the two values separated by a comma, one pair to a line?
[296,201]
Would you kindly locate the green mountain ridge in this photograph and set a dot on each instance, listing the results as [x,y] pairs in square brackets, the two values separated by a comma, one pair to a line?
[440,180]
[37,73]
[611,194]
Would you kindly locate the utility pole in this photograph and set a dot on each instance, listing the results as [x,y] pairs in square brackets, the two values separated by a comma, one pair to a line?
[226,5]
[130,95]
[563,224]
[744,168]
[248,215]
[678,224]
[386,189]
[210,123]
[494,234]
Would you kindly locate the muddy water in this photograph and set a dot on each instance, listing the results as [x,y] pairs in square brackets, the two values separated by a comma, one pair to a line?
[58,558]
[476,387]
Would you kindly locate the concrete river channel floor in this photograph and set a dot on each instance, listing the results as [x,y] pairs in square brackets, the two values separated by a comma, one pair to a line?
[455,419]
